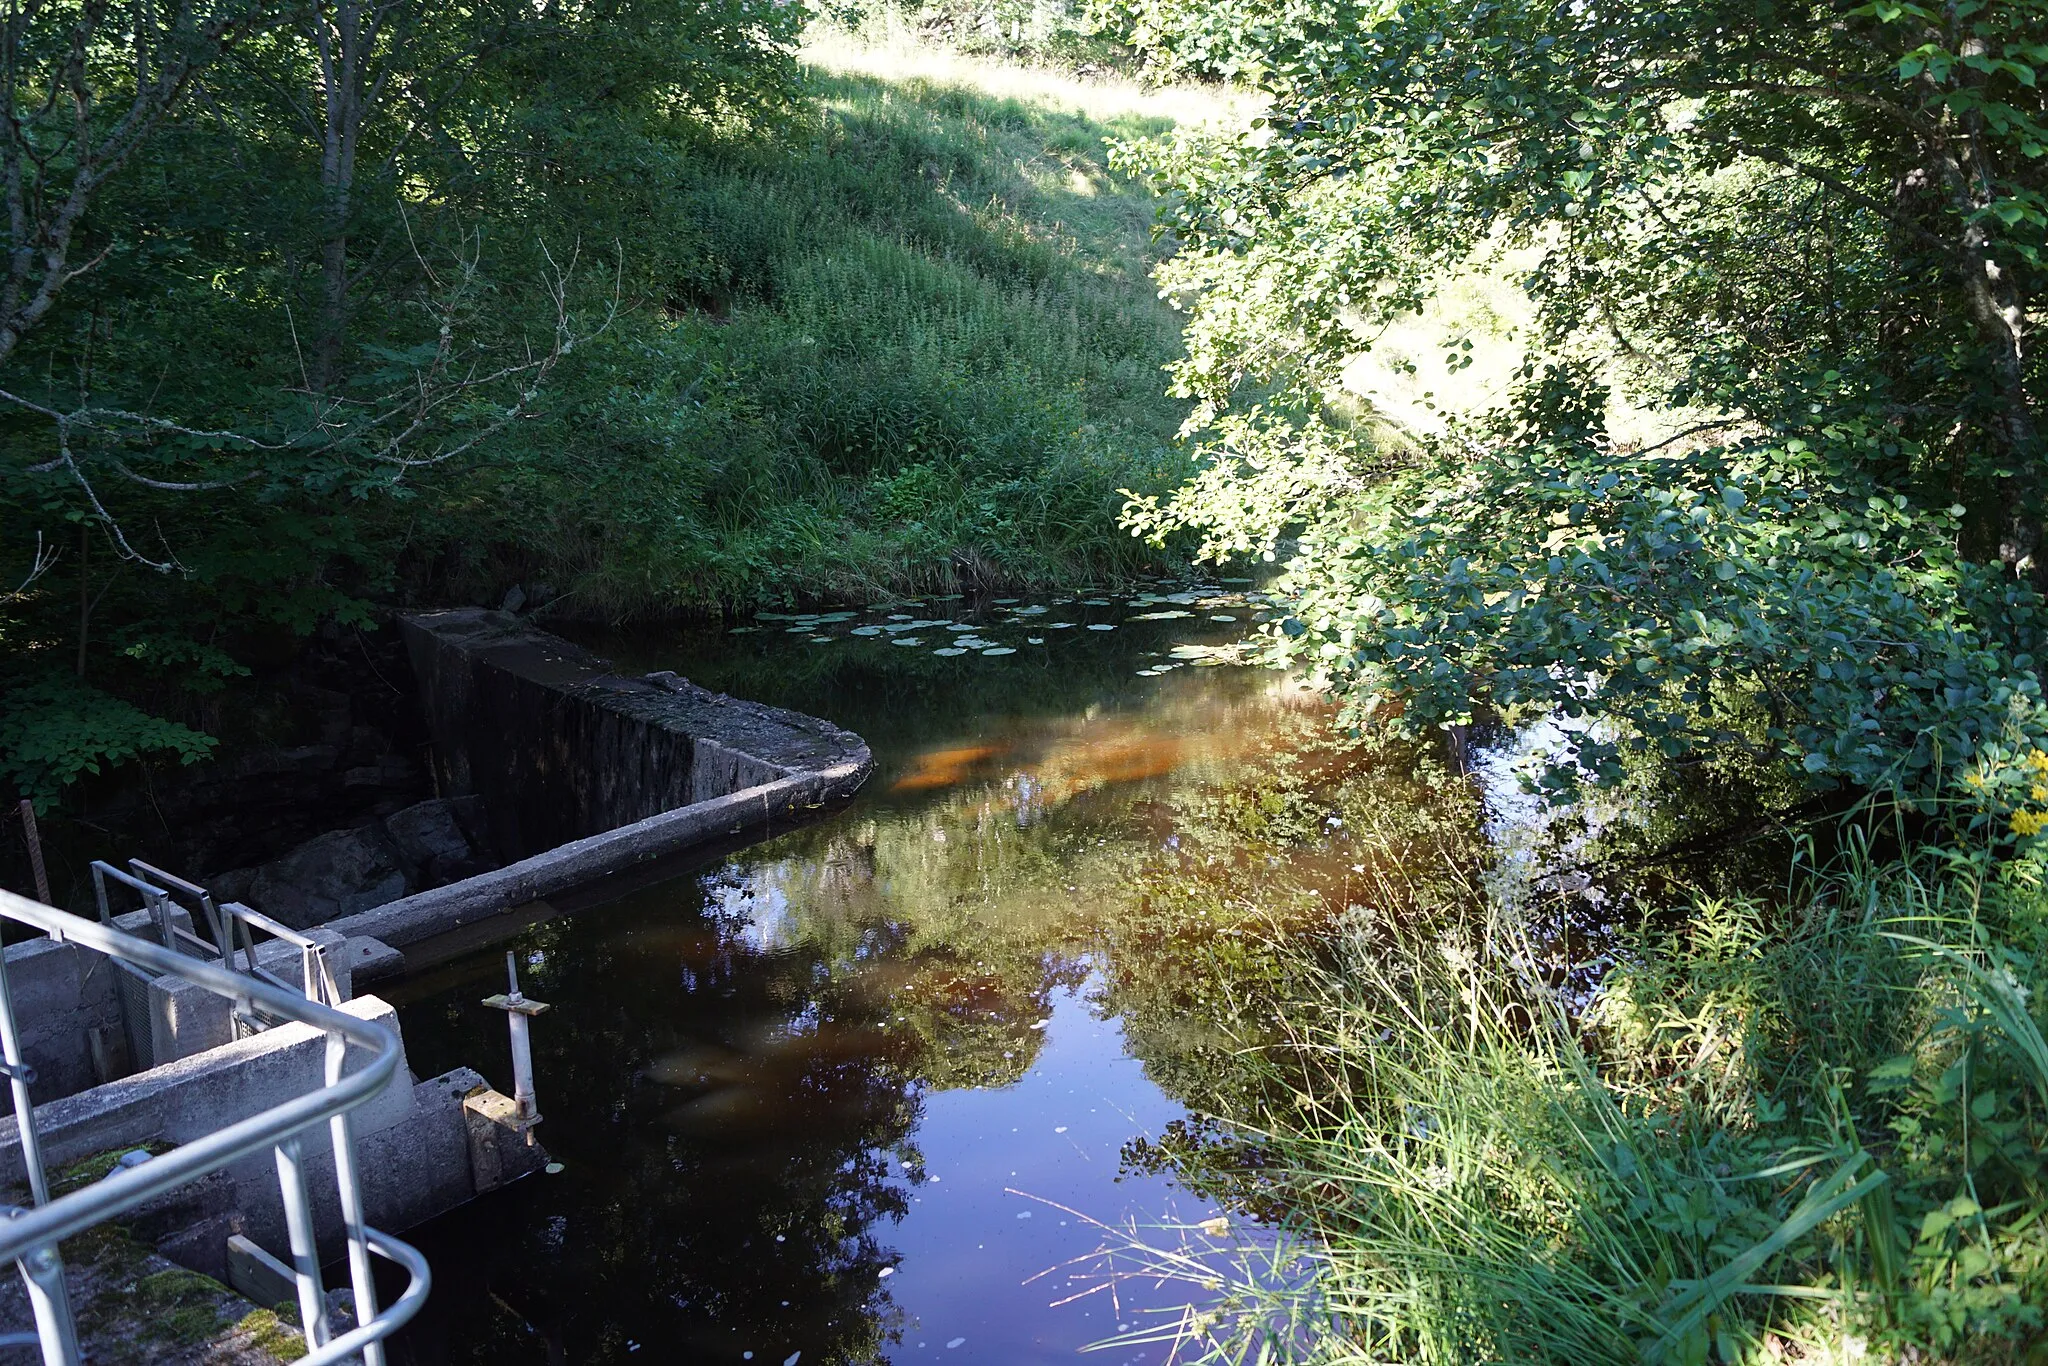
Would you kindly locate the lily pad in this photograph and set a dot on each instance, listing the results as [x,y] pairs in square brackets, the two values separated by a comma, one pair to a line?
[949,651]
[743,630]
[999,650]
[866,631]
[1100,626]
[906,640]
[1034,640]
[1221,616]
[1172,614]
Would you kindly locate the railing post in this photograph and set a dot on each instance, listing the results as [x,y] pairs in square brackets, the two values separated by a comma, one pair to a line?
[42,1270]
[19,1076]
[361,1283]
[298,1223]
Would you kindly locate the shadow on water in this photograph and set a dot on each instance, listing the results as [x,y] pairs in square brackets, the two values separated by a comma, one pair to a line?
[845,1095]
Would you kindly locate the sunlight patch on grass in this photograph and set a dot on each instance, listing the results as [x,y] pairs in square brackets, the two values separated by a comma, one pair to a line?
[893,52]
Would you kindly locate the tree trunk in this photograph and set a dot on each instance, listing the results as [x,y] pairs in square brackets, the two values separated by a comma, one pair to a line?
[343,42]
[2011,509]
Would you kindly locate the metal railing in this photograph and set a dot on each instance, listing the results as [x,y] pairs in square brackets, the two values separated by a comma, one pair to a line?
[231,931]
[30,1237]
[234,928]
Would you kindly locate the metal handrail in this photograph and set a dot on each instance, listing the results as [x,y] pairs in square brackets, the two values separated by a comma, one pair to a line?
[224,920]
[31,1237]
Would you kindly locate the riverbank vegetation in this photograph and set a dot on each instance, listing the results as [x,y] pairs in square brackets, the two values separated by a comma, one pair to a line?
[1560,1121]
[1762,502]
[644,312]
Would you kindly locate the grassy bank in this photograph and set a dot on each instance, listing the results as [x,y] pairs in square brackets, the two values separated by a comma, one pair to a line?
[894,335]
[916,348]
[1801,1125]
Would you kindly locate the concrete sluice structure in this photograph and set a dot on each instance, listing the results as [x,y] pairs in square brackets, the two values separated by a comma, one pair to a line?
[585,775]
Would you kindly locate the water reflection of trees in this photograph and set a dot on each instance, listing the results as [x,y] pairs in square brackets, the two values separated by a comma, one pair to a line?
[747,1052]
[729,1179]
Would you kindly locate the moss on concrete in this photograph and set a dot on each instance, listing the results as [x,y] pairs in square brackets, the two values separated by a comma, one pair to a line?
[267,1333]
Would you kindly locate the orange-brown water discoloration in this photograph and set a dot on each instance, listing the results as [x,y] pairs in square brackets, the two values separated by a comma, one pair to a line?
[946,767]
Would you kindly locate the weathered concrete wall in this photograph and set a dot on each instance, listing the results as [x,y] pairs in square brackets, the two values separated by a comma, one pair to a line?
[561,748]
[66,1005]
[194,1096]
[187,1018]
[585,861]
[596,771]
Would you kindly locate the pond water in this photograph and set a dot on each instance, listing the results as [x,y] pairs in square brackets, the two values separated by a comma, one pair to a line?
[866,1091]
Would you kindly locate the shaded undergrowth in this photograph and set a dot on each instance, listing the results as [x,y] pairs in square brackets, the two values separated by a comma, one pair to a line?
[913,346]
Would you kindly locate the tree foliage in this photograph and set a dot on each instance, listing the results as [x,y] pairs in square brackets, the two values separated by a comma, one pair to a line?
[1817,228]
[274,265]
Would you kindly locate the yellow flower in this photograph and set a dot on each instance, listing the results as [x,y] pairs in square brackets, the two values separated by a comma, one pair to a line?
[2026,823]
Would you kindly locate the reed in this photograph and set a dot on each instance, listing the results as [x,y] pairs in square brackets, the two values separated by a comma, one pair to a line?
[1809,1129]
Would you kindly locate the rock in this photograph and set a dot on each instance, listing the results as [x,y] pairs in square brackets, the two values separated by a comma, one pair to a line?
[232,885]
[475,822]
[515,598]
[431,837]
[332,875]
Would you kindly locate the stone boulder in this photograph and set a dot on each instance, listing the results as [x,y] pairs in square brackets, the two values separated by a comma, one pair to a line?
[427,844]
[329,876]
[436,842]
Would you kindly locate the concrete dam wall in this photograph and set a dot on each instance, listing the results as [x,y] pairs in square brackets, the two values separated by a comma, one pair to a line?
[580,773]
[584,773]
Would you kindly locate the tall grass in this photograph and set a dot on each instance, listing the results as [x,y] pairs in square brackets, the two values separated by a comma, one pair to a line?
[909,343]
[1805,1130]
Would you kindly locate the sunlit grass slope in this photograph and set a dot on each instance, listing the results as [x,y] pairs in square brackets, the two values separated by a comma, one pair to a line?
[918,348]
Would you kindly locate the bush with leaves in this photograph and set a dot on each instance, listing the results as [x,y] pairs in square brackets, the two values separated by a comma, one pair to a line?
[1819,225]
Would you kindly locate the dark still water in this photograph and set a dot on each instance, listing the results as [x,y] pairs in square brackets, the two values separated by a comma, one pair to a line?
[864,1092]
